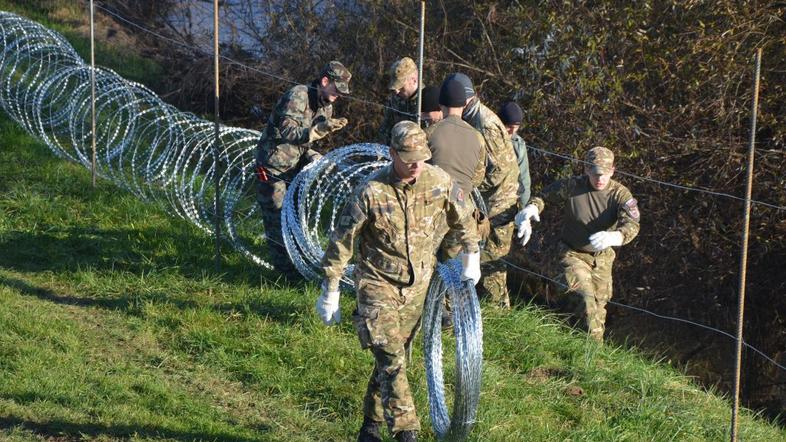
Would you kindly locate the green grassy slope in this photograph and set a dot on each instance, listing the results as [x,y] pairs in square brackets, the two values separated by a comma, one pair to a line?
[114,326]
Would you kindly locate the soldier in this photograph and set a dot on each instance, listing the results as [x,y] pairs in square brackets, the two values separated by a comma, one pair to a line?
[301,116]
[458,149]
[499,189]
[403,102]
[392,217]
[430,113]
[599,213]
[511,115]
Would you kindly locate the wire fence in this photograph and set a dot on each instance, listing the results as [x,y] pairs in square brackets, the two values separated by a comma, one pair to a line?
[542,151]
[535,149]
[383,106]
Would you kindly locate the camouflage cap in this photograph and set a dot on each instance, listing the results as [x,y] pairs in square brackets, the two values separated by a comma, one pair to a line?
[399,72]
[600,159]
[410,142]
[339,74]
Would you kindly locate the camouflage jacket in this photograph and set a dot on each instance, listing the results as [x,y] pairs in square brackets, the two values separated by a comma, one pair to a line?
[394,224]
[525,184]
[588,211]
[284,141]
[500,186]
[398,109]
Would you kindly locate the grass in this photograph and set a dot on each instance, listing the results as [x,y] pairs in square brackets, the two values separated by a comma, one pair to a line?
[115,326]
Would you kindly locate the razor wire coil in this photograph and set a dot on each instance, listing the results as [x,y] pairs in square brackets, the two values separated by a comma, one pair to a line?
[161,154]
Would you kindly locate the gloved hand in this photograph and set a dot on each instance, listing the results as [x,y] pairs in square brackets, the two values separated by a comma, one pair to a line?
[470,267]
[603,240]
[324,127]
[524,224]
[327,306]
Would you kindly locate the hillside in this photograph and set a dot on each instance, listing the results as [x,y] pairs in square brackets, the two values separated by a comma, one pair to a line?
[115,326]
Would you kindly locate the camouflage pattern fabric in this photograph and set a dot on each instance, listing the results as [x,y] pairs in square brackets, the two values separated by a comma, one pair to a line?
[589,281]
[397,109]
[283,149]
[394,224]
[285,140]
[586,273]
[385,320]
[525,183]
[500,188]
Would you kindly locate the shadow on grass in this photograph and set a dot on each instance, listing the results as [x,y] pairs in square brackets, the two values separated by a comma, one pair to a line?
[131,250]
[130,304]
[67,431]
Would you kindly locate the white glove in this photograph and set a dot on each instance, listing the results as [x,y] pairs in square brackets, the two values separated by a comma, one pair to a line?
[523,223]
[470,267]
[604,240]
[327,306]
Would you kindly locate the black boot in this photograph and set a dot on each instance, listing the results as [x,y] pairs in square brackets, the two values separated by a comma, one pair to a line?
[369,432]
[407,436]
[447,320]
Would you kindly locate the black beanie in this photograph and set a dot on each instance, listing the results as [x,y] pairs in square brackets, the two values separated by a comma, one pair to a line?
[452,94]
[510,113]
[430,99]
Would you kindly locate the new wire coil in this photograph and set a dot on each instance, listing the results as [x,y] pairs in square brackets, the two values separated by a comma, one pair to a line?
[163,155]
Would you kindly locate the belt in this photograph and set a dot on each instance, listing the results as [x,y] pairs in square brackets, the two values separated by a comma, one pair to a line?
[593,254]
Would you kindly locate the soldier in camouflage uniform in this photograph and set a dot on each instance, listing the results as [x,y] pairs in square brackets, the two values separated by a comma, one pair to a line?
[499,189]
[402,105]
[458,149]
[304,114]
[511,115]
[599,213]
[392,217]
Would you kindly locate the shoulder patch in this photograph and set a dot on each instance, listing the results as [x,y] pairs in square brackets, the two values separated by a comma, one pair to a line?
[457,195]
[632,208]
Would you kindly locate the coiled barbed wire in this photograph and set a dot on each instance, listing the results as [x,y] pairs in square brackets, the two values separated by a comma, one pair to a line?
[468,332]
[162,154]
[312,206]
[142,144]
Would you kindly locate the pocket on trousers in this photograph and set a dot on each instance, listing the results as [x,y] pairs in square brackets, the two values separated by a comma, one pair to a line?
[367,324]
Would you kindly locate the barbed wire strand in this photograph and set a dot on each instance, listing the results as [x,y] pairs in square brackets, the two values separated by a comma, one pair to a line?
[648,312]
[383,106]
[547,152]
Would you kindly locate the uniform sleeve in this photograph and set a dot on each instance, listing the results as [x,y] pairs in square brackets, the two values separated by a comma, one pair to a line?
[480,169]
[501,181]
[525,184]
[554,193]
[628,216]
[459,218]
[292,107]
[340,247]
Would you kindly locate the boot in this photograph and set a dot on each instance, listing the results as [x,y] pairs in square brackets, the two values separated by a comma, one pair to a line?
[447,320]
[407,436]
[369,432]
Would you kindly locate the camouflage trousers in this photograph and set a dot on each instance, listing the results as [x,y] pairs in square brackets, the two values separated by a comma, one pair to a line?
[386,319]
[589,287]
[494,272]
[270,196]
